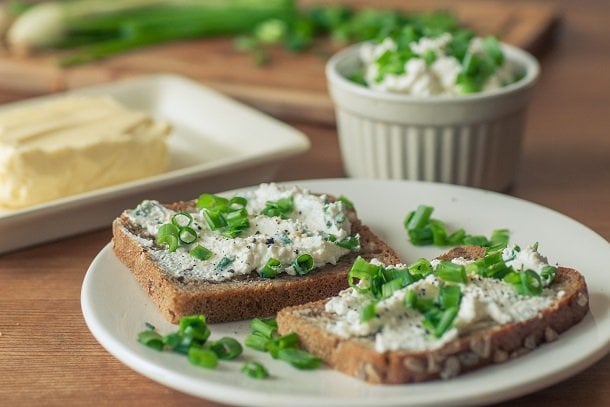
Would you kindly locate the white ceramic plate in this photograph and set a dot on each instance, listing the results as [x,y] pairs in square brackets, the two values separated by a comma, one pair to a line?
[115,309]
[217,144]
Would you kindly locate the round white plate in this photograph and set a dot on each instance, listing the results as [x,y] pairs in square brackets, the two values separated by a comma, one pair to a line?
[115,309]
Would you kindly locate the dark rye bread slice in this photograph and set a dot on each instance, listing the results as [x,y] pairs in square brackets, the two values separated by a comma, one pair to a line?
[241,298]
[478,348]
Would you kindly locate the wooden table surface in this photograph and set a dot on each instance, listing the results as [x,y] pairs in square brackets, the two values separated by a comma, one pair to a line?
[47,355]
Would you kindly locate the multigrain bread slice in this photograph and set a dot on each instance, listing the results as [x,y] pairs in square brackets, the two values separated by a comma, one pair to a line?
[478,348]
[241,298]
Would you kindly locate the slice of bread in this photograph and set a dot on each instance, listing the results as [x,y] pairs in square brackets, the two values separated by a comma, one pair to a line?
[244,297]
[492,344]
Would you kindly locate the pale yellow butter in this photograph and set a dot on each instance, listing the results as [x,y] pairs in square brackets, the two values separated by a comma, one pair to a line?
[73,145]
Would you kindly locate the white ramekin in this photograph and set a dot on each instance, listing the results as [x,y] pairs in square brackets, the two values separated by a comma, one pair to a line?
[472,140]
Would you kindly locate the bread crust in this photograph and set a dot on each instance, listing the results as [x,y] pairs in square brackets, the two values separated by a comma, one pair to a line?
[485,346]
[243,298]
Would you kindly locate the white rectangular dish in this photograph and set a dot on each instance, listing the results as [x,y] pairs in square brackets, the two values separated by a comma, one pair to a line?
[217,144]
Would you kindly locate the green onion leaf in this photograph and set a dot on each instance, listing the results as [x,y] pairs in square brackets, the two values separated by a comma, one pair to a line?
[420,217]
[421,267]
[299,358]
[548,274]
[347,204]
[226,348]
[187,235]
[224,263]
[390,287]
[265,328]
[450,296]
[271,269]
[182,219]
[151,338]
[303,264]
[201,253]
[168,234]
[202,357]
[209,201]
[451,272]
[369,311]
[255,370]
[238,202]
[194,327]
[351,243]
[257,341]
[214,218]
[282,207]
[445,321]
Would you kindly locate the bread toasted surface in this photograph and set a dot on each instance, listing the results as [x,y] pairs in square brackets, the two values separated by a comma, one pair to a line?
[243,297]
[356,356]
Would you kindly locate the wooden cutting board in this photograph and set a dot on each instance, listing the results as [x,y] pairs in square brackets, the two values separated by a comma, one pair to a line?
[291,87]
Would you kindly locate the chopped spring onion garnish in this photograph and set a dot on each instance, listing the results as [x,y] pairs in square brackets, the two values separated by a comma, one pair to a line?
[202,357]
[151,338]
[187,235]
[548,274]
[449,296]
[445,321]
[257,341]
[263,327]
[282,342]
[255,370]
[387,289]
[303,264]
[209,201]
[214,218]
[451,272]
[182,219]
[351,243]
[271,269]
[195,327]
[189,339]
[282,207]
[421,267]
[369,311]
[201,253]
[238,202]
[224,263]
[347,204]
[299,358]
[492,265]
[424,230]
[169,234]
[226,348]
[526,282]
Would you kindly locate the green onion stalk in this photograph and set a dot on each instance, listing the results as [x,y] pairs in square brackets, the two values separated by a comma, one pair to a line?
[102,28]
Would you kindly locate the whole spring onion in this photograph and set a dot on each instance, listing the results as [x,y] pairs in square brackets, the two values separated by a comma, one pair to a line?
[108,27]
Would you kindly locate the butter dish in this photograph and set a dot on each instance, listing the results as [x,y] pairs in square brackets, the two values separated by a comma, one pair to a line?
[217,144]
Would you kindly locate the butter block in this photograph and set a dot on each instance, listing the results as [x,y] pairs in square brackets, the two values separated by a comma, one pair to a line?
[74,145]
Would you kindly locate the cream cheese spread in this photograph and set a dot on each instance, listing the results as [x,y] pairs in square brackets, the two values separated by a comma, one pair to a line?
[426,79]
[73,145]
[305,230]
[485,301]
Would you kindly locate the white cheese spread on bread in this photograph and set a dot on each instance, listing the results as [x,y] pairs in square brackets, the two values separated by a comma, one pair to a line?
[305,230]
[73,145]
[484,302]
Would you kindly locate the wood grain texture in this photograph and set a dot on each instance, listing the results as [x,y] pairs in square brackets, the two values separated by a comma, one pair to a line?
[48,357]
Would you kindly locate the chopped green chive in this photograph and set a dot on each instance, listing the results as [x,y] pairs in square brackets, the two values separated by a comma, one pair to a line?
[182,219]
[271,269]
[351,243]
[201,253]
[202,357]
[451,272]
[255,370]
[265,328]
[368,312]
[299,358]
[282,207]
[257,341]
[169,234]
[151,338]
[226,348]
[187,235]
[215,219]
[347,204]
[303,264]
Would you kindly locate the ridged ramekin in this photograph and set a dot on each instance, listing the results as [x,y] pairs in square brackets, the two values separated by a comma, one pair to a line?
[472,140]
